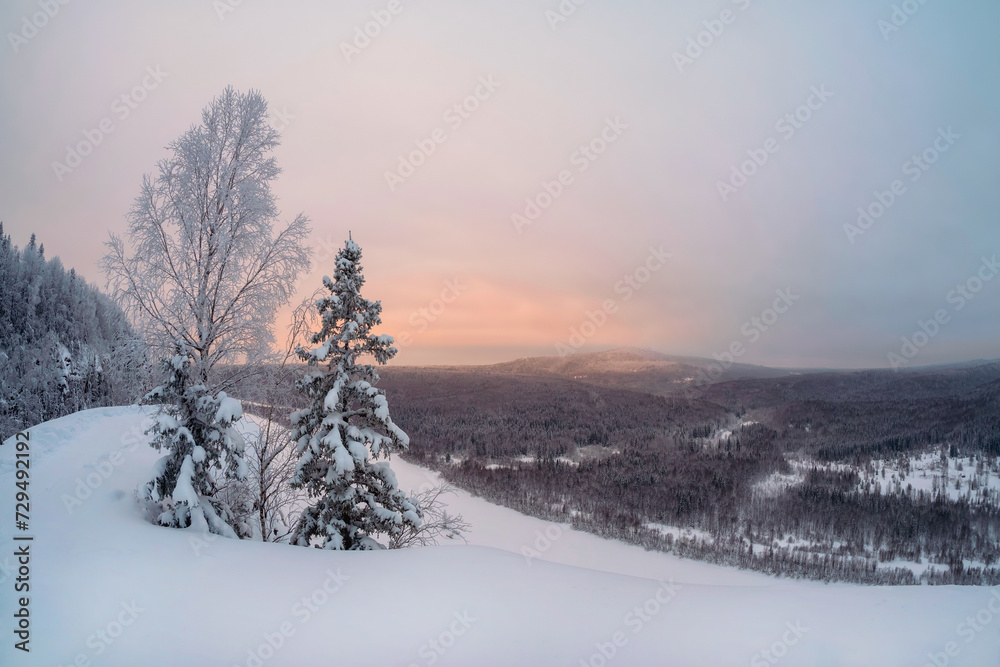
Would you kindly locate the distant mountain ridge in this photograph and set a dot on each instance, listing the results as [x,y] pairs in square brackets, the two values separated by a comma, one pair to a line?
[661,374]
[636,369]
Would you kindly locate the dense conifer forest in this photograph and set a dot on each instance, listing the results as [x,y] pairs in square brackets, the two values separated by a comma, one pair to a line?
[64,346]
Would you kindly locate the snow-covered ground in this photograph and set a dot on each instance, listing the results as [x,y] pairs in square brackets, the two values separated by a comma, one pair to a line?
[107,588]
[682,533]
[722,434]
[579,454]
[971,478]
[962,477]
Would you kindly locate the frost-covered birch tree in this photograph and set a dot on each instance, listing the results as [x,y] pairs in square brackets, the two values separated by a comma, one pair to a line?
[347,428]
[202,271]
[201,261]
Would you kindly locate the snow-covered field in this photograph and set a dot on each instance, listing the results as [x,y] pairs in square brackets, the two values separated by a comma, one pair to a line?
[107,588]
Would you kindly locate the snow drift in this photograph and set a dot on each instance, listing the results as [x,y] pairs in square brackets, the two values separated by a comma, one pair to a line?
[108,588]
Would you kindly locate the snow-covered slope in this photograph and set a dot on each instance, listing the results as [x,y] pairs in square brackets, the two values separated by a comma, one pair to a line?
[109,589]
[534,539]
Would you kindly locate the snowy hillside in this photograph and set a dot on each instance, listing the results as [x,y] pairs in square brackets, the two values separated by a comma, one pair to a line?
[107,588]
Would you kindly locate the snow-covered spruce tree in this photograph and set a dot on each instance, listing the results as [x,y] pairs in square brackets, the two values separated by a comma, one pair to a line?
[347,427]
[203,448]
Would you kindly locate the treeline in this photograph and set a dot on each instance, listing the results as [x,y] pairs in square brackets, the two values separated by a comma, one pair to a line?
[858,431]
[508,415]
[499,416]
[64,346]
[853,386]
[855,417]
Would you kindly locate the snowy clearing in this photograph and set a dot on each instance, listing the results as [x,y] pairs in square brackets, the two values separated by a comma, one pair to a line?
[968,478]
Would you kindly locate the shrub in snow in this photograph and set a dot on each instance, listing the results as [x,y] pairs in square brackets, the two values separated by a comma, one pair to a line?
[203,449]
[347,427]
[437,524]
[264,503]
[265,500]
